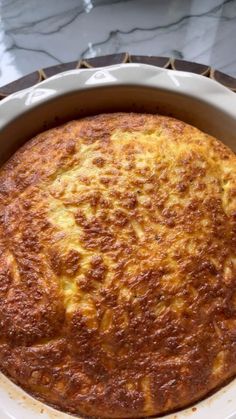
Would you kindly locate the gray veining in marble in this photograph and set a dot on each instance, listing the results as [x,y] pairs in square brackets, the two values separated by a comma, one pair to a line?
[41,33]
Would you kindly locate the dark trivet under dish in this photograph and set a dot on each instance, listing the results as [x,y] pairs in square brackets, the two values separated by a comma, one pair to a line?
[106,60]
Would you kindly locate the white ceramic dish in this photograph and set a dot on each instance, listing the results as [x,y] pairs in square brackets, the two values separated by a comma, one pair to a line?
[126,87]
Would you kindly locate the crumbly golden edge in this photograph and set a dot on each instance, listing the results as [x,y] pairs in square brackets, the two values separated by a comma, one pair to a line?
[105,139]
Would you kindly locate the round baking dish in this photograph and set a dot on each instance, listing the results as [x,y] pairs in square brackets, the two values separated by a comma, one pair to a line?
[130,87]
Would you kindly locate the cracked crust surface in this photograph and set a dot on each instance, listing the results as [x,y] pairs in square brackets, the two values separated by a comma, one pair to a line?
[118,265]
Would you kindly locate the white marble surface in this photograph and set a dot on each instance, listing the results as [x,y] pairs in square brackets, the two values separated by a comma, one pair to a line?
[41,33]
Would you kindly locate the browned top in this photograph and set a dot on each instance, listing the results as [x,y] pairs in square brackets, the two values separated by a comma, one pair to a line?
[118,265]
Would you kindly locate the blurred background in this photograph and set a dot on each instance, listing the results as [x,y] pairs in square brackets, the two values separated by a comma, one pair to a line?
[36,34]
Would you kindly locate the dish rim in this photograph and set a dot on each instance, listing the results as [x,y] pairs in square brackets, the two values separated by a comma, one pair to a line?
[185,83]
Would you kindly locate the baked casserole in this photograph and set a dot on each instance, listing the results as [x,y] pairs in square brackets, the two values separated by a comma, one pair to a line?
[118,265]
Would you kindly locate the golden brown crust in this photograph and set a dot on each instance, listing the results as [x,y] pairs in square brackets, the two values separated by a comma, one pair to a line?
[118,265]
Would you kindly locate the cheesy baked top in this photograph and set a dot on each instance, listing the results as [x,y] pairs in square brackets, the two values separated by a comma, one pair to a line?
[118,265]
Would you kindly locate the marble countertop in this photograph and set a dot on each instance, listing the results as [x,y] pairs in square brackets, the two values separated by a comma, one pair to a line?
[36,34]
